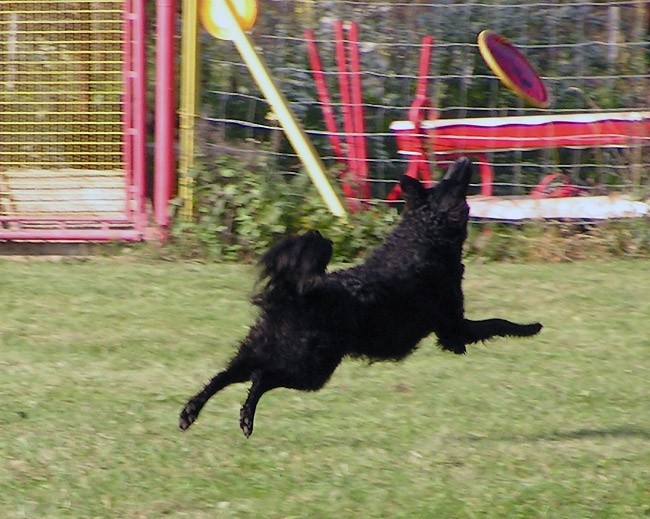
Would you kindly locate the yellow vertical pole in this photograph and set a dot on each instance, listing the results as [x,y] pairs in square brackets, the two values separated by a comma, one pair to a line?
[188,105]
[294,132]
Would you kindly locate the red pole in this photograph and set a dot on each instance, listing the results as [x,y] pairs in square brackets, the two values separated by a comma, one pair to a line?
[344,86]
[323,95]
[419,163]
[328,111]
[139,109]
[165,111]
[424,66]
[357,111]
[421,106]
[135,131]
[127,138]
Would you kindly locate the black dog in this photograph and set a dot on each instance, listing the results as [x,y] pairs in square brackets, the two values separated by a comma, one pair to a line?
[406,289]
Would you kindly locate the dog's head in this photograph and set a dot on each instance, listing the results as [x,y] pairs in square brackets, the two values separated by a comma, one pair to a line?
[447,200]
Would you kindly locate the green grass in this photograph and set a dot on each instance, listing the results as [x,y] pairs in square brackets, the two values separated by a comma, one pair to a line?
[97,357]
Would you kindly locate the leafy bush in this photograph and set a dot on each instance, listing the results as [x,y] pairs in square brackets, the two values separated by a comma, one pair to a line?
[240,211]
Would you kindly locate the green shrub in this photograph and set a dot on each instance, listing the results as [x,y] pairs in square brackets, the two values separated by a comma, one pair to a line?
[242,208]
[239,212]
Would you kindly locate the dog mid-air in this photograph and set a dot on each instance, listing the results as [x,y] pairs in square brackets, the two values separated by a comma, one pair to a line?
[408,288]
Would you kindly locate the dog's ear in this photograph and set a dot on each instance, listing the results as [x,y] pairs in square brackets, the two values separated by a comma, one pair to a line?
[414,191]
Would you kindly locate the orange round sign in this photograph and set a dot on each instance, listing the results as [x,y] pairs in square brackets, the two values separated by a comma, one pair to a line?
[513,69]
[215,19]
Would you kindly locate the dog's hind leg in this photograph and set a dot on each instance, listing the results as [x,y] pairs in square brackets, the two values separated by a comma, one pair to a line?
[261,384]
[475,331]
[239,370]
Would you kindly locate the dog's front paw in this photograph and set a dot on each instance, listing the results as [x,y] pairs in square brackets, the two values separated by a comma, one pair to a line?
[246,422]
[188,416]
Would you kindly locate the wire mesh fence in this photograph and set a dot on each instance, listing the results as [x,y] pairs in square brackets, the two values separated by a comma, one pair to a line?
[594,58]
[62,108]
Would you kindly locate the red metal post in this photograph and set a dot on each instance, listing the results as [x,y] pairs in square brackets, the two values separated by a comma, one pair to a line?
[135,131]
[140,111]
[165,111]
[323,95]
[346,102]
[419,110]
[127,116]
[72,235]
[328,112]
[423,73]
[356,91]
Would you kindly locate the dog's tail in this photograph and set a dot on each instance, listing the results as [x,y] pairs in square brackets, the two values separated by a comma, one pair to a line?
[296,262]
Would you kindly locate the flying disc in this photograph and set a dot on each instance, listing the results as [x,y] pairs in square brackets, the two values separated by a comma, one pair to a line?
[512,68]
[215,20]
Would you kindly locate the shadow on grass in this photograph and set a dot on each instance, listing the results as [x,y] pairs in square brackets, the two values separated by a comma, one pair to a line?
[625,431]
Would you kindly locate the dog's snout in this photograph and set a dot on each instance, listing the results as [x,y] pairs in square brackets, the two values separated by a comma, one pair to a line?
[460,171]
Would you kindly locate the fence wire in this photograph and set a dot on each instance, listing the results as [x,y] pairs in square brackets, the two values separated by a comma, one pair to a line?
[592,56]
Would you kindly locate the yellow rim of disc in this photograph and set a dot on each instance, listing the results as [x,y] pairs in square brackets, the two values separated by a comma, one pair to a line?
[499,72]
[245,12]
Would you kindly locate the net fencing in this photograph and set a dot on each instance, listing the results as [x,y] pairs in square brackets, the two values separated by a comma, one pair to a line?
[594,58]
[61,110]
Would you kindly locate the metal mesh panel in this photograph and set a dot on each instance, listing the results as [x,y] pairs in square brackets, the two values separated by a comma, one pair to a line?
[61,107]
[592,56]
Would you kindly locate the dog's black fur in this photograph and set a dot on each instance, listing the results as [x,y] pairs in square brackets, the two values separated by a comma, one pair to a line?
[406,289]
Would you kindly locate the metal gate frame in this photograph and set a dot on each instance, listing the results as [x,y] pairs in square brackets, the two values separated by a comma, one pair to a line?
[131,223]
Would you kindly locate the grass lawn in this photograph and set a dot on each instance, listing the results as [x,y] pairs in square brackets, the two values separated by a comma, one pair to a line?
[97,357]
